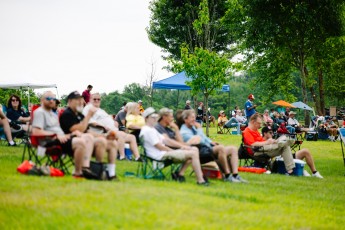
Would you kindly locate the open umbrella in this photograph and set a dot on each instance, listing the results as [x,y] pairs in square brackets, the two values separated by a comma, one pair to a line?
[283,103]
[301,105]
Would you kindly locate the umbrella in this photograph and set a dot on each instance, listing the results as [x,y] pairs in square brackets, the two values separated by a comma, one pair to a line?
[301,105]
[283,103]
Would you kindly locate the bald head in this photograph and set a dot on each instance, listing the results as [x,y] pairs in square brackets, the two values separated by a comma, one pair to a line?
[48,100]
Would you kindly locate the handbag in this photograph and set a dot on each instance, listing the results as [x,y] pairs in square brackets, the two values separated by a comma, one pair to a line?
[205,153]
[99,169]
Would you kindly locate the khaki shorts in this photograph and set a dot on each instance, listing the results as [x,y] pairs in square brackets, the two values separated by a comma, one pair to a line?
[175,155]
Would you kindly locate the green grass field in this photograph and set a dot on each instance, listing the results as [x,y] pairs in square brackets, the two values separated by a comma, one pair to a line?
[267,202]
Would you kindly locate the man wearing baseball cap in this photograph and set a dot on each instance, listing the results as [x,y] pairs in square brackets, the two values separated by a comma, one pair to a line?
[155,145]
[249,106]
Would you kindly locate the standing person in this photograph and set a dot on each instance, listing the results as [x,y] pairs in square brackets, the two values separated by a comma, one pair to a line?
[154,144]
[187,105]
[250,107]
[79,145]
[201,112]
[7,129]
[72,120]
[141,107]
[87,93]
[15,112]
[191,129]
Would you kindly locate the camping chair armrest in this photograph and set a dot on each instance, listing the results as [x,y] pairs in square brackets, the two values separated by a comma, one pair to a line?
[42,140]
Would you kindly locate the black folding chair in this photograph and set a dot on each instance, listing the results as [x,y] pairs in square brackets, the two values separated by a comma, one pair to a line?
[246,155]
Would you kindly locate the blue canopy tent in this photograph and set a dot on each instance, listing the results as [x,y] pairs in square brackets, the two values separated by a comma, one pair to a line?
[178,81]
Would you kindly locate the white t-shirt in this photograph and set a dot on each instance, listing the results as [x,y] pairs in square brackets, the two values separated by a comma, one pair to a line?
[152,137]
[101,117]
[293,122]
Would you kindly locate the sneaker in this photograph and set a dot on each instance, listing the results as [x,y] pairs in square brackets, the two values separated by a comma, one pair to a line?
[317,175]
[241,179]
[176,177]
[305,173]
[232,179]
[13,145]
[113,178]
[203,183]
[140,160]
[78,176]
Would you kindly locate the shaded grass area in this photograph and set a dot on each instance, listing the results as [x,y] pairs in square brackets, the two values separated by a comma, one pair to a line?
[268,201]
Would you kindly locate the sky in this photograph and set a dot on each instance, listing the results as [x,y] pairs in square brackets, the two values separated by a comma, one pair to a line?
[74,43]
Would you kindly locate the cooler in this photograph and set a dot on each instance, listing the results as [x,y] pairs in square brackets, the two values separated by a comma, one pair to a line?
[128,152]
[298,170]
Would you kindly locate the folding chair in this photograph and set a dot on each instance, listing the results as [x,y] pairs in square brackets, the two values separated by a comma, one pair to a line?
[223,130]
[150,168]
[342,141]
[246,155]
[44,150]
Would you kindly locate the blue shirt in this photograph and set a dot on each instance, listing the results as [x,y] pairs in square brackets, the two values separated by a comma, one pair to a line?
[250,112]
[188,133]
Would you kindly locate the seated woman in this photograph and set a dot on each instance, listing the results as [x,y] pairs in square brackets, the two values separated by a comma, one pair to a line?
[267,119]
[134,121]
[15,112]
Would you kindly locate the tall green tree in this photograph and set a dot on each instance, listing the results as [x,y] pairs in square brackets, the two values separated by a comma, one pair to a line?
[295,29]
[173,23]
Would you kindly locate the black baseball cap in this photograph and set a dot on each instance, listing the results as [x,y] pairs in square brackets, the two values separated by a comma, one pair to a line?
[74,95]
[266,129]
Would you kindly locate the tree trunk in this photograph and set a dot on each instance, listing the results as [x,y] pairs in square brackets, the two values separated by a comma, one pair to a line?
[321,91]
[206,109]
[304,90]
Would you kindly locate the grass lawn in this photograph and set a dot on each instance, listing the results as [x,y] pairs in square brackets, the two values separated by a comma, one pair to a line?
[267,202]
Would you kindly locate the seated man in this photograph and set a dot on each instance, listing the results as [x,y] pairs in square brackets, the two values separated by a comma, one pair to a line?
[191,128]
[120,117]
[168,128]
[78,145]
[72,120]
[102,119]
[292,121]
[222,119]
[300,154]
[154,144]
[270,147]
[7,129]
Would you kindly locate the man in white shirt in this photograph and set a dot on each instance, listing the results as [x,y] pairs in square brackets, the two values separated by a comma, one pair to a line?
[292,121]
[102,119]
[154,144]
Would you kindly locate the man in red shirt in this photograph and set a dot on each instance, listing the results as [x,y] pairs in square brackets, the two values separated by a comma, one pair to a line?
[271,147]
[87,93]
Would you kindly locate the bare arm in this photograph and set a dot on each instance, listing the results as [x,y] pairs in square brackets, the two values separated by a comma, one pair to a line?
[82,126]
[162,147]
[263,143]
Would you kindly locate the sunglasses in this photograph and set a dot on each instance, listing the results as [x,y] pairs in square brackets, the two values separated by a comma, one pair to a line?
[97,99]
[14,100]
[50,98]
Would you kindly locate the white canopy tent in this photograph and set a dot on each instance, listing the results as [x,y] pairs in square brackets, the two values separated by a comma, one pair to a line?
[27,86]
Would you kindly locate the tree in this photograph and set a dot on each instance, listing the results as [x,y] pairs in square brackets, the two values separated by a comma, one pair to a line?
[206,72]
[295,29]
[172,24]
